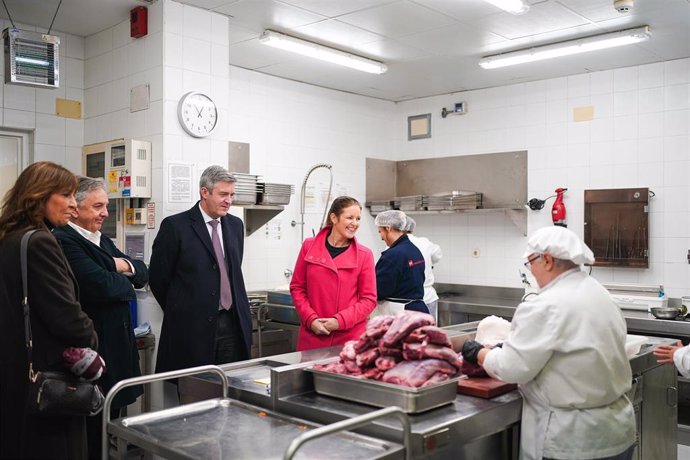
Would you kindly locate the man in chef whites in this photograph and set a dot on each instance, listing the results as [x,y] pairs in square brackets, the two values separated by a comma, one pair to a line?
[566,350]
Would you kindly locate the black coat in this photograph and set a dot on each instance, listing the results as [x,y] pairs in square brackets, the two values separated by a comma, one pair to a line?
[184,278]
[57,322]
[104,295]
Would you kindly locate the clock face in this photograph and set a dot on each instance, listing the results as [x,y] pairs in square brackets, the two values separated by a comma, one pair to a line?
[198,114]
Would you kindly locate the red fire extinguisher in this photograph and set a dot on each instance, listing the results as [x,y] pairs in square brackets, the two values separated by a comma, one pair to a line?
[558,209]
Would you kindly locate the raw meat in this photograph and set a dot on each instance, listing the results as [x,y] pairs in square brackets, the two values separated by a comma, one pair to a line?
[352,367]
[348,351]
[363,343]
[406,350]
[367,358]
[473,370]
[412,351]
[415,373]
[386,362]
[436,378]
[389,351]
[378,326]
[335,367]
[429,334]
[404,324]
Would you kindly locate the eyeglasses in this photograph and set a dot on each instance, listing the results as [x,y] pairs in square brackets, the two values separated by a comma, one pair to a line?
[528,264]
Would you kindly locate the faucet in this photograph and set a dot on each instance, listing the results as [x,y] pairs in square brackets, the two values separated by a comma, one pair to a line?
[302,197]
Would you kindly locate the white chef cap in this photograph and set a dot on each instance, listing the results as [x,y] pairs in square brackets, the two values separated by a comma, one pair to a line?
[561,243]
[392,218]
[411,224]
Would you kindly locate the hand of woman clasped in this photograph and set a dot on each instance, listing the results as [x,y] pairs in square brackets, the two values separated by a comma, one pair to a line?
[324,326]
[664,353]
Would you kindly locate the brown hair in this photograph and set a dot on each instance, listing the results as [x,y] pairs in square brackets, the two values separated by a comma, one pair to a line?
[339,205]
[23,206]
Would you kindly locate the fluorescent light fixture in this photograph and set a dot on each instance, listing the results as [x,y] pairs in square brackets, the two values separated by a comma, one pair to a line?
[581,45]
[307,48]
[511,6]
[26,60]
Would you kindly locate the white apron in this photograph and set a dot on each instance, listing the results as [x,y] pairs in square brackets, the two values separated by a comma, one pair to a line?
[390,306]
[550,431]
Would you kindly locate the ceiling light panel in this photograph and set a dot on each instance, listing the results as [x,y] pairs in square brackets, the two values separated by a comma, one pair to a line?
[511,6]
[324,53]
[566,48]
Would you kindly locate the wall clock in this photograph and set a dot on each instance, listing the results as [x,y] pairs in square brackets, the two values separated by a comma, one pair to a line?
[197,113]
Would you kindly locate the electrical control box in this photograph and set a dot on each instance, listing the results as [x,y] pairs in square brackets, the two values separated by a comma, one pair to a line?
[124,164]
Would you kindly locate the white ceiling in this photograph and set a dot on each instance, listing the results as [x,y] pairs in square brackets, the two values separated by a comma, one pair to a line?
[430,46]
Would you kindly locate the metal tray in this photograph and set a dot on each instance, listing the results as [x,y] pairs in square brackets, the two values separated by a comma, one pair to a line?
[224,428]
[281,313]
[279,297]
[379,394]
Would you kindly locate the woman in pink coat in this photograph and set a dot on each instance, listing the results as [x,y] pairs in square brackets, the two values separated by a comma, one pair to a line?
[334,282]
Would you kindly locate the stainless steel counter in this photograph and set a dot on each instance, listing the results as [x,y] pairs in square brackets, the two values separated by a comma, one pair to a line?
[639,322]
[468,427]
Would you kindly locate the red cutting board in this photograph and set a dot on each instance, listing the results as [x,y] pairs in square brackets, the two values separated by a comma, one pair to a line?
[484,387]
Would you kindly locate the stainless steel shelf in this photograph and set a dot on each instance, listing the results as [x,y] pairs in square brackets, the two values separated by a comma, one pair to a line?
[517,215]
[256,215]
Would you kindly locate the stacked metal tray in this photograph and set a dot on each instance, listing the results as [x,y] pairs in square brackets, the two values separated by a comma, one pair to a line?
[408,203]
[245,188]
[446,201]
[380,394]
[274,194]
[377,206]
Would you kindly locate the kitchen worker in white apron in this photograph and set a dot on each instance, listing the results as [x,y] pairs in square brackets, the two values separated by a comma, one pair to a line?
[566,350]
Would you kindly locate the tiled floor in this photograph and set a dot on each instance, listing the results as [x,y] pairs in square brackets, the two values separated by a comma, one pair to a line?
[683,452]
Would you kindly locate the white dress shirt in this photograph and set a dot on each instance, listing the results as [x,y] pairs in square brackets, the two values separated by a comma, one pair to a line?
[208,219]
[95,238]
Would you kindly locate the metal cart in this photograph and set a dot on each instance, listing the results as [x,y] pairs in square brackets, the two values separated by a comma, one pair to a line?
[223,428]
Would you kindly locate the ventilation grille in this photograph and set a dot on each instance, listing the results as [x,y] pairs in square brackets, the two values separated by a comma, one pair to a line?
[141,181]
[31,58]
[141,154]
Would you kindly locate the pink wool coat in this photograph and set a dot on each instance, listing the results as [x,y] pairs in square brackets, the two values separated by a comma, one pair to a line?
[343,288]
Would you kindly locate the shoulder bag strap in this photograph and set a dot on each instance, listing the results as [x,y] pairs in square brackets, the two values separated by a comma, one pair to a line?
[25,299]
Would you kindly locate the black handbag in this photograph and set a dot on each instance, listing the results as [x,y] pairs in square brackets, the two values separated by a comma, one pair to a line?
[54,392]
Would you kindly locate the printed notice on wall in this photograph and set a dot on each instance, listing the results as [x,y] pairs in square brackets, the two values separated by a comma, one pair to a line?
[273,231]
[179,183]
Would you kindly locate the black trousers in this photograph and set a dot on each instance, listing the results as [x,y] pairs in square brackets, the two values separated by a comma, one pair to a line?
[94,424]
[229,341]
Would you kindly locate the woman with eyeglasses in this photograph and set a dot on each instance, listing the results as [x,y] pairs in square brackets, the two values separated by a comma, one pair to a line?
[566,350]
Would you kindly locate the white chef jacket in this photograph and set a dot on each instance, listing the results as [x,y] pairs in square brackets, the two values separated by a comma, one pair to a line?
[432,255]
[566,349]
[681,359]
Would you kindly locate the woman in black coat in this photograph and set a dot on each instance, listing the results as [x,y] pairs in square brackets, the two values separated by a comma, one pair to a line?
[43,198]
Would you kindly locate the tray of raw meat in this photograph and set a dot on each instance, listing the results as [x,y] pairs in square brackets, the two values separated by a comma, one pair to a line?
[402,360]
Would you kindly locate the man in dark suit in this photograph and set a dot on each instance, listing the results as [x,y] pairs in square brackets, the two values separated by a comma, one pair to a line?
[106,279]
[198,282]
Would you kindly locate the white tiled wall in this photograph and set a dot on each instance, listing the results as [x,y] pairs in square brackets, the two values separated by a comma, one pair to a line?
[291,127]
[30,109]
[637,138]
[114,63]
